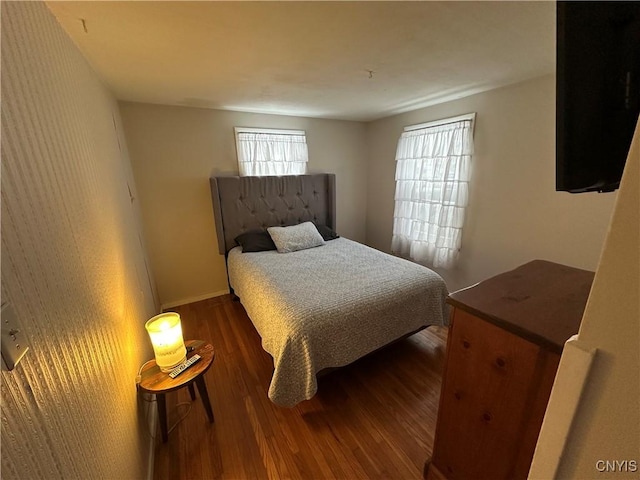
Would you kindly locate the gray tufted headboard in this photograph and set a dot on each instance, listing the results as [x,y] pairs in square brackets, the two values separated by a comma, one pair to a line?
[241,204]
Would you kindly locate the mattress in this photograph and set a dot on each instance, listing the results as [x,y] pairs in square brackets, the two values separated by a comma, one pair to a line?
[329,306]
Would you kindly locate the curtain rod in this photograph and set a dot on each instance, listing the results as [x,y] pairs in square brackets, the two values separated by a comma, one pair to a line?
[268,131]
[445,121]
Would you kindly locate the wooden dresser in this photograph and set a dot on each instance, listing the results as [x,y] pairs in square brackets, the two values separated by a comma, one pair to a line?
[504,345]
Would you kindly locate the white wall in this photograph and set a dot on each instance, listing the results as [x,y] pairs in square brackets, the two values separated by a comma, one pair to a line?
[606,423]
[514,214]
[73,268]
[173,152]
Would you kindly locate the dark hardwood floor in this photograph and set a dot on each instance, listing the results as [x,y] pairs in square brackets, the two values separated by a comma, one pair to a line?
[372,419]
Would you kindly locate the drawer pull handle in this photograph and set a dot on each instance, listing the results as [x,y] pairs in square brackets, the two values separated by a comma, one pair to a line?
[466,344]
[486,416]
[501,362]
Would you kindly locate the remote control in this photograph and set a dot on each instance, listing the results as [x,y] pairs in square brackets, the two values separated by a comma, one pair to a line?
[183,366]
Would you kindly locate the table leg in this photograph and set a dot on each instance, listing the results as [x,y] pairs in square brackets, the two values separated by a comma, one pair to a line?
[162,416]
[192,392]
[204,395]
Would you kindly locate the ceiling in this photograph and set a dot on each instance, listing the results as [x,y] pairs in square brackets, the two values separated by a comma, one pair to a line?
[342,60]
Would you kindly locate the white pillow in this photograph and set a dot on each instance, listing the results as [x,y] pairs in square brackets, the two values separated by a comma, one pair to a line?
[297,237]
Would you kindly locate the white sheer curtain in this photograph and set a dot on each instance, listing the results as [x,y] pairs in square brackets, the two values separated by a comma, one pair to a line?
[432,178]
[271,153]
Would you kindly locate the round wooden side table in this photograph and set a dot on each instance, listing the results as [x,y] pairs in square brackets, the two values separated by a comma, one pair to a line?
[157,382]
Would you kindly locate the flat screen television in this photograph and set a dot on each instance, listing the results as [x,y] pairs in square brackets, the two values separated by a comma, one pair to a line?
[597,92]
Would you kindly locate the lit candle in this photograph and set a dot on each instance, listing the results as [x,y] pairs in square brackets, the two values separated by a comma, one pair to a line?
[165,332]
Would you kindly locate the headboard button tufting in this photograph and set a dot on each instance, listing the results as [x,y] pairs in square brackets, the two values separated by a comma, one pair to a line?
[248,203]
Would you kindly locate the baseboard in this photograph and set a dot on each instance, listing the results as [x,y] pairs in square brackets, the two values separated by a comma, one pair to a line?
[184,301]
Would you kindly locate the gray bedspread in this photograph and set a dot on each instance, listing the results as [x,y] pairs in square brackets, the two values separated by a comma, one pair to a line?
[330,305]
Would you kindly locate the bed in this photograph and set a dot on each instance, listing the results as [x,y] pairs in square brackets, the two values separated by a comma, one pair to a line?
[316,308]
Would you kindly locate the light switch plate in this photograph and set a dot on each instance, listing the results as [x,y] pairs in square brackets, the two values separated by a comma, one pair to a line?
[14,345]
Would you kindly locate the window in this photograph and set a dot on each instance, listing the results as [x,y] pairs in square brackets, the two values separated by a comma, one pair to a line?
[271,152]
[432,178]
